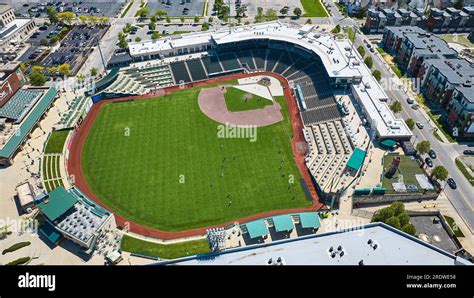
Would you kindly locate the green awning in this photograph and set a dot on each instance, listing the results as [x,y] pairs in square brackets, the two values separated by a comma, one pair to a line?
[283,223]
[356,159]
[388,143]
[257,228]
[310,220]
[59,201]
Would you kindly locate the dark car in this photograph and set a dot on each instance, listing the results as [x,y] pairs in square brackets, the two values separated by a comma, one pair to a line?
[468,152]
[429,162]
[43,28]
[452,183]
[432,154]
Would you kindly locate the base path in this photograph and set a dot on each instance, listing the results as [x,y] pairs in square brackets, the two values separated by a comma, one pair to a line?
[74,162]
[212,104]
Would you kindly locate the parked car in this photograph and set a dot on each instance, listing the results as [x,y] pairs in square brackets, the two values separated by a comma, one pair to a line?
[420,125]
[415,106]
[432,154]
[410,100]
[429,162]
[452,183]
[468,152]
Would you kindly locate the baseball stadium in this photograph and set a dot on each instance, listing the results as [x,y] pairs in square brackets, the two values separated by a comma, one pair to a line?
[207,129]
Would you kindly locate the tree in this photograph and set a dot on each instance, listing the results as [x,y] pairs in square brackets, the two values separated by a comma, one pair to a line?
[297,12]
[160,13]
[410,123]
[80,77]
[336,29]
[271,15]
[398,208]
[94,71]
[64,69]
[182,19]
[168,20]
[240,12]
[197,19]
[369,62]
[259,17]
[152,26]
[83,19]
[396,107]
[308,21]
[37,78]
[383,214]
[377,75]
[205,26]
[439,173]
[361,51]
[423,147]
[153,19]
[404,219]
[351,34]
[155,35]
[127,28]
[409,229]
[138,39]
[66,17]
[122,40]
[54,39]
[52,70]
[394,222]
[44,42]
[210,20]
[143,12]
[284,11]
[52,14]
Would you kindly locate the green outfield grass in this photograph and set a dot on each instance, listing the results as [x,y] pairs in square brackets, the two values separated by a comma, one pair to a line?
[235,100]
[313,8]
[159,163]
[165,251]
[56,141]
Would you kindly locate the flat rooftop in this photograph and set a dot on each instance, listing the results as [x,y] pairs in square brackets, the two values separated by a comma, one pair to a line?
[373,244]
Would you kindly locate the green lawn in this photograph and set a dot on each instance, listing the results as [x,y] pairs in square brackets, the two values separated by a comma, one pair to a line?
[408,168]
[56,141]
[165,251]
[166,173]
[464,170]
[461,39]
[313,8]
[457,231]
[235,100]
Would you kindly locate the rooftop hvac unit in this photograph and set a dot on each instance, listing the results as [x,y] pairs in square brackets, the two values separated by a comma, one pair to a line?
[367,85]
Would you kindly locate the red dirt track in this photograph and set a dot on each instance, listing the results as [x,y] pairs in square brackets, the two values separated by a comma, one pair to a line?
[74,162]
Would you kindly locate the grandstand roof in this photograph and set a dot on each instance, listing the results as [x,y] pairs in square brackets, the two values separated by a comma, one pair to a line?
[59,202]
[25,127]
[19,104]
[394,247]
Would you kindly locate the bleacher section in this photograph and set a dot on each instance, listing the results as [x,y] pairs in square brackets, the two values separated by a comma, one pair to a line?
[329,150]
[19,104]
[140,80]
[212,64]
[180,72]
[196,69]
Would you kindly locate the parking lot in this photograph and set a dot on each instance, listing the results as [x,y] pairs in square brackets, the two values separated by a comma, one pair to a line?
[75,47]
[37,8]
[178,7]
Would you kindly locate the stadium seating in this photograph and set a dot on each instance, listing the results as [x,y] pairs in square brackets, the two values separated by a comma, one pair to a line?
[196,69]
[19,104]
[180,72]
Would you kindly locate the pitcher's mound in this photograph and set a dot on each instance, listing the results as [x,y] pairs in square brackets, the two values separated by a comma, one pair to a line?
[212,104]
